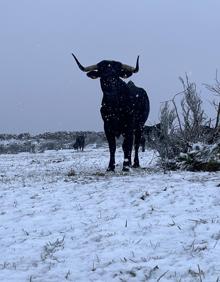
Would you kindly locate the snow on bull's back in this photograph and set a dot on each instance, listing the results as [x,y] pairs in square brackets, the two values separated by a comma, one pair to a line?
[62,218]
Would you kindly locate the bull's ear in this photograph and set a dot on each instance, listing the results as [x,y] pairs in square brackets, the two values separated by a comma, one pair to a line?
[93,74]
[125,73]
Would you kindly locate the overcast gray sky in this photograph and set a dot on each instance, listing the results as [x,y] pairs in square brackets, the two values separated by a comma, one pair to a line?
[42,89]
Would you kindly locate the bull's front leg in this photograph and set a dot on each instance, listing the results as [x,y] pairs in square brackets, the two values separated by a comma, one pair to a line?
[127,148]
[112,148]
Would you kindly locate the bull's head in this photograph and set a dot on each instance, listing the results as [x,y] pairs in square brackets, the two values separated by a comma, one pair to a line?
[109,69]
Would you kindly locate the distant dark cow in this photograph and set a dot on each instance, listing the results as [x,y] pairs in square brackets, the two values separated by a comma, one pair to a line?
[152,132]
[80,143]
[124,110]
[210,134]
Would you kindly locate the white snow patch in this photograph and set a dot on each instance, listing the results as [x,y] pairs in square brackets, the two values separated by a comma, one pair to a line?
[97,226]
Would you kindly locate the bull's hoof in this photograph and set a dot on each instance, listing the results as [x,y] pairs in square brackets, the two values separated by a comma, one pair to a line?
[126,168]
[136,165]
[110,169]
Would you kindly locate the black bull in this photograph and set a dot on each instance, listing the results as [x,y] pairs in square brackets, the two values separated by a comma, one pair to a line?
[125,108]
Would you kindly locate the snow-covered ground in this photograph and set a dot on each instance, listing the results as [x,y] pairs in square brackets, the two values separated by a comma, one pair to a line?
[62,218]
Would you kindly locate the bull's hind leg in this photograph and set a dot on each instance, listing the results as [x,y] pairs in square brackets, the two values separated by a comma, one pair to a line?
[137,141]
[112,148]
[127,148]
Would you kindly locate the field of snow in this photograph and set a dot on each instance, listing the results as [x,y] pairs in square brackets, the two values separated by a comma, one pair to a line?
[62,218]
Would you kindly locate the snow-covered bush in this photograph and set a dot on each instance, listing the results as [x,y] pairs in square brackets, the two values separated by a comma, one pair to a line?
[183,127]
[201,157]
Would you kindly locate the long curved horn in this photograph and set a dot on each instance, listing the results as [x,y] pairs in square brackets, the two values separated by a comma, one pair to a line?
[137,65]
[132,69]
[89,68]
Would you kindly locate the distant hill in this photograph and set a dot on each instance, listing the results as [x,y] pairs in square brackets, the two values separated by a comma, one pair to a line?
[25,142]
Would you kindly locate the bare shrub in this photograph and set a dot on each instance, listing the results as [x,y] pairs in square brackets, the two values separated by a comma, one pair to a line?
[193,115]
[166,137]
[179,131]
[215,89]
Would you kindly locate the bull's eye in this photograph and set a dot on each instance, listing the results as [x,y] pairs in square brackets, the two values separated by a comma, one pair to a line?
[109,65]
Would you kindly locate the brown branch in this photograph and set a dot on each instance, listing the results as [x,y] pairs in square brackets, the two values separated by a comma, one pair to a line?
[177,115]
[170,100]
[218,117]
[162,275]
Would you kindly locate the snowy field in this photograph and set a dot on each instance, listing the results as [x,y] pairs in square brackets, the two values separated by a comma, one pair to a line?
[62,218]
